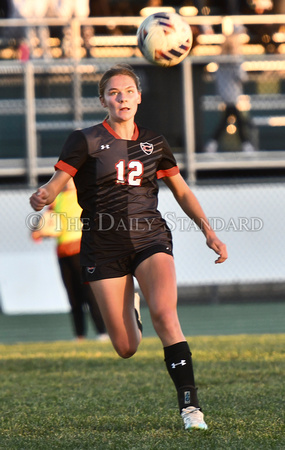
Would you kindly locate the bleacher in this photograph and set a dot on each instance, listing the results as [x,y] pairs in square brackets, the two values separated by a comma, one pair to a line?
[44,97]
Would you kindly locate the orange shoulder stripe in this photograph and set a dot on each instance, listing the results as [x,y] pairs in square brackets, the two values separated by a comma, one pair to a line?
[61,165]
[168,172]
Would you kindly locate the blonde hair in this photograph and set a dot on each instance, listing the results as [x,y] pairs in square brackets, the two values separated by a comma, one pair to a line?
[118,69]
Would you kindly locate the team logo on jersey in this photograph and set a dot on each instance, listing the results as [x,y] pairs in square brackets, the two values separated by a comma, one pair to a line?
[91,269]
[146,148]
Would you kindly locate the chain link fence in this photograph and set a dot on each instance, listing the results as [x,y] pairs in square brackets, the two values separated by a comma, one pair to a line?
[248,217]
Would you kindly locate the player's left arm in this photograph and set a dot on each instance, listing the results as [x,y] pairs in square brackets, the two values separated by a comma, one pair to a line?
[191,206]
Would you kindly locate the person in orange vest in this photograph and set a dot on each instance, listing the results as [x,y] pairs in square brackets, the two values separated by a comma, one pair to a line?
[62,222]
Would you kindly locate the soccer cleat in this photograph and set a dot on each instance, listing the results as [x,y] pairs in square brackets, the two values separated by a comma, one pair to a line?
[193,419]
[102,337]
[137,301]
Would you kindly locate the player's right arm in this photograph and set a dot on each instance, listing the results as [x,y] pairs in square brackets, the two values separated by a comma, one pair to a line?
[47,193]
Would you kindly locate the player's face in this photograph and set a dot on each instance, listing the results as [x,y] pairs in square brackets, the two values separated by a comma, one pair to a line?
[121,98]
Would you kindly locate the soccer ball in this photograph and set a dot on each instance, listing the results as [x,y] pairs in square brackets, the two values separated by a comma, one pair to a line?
[164,38]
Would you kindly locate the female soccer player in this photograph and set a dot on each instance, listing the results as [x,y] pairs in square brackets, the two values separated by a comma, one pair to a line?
[115,166]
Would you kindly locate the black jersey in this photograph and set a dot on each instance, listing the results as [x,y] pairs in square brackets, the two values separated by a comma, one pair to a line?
[116,182]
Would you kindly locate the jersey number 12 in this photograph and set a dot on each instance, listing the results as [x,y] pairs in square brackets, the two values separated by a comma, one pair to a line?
[134,174]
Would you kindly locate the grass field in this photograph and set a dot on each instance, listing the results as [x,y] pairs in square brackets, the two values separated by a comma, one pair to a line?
[196,320]
[68,395]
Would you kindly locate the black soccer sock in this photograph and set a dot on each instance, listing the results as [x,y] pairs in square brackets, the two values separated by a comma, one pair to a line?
[140,326]
[179,365]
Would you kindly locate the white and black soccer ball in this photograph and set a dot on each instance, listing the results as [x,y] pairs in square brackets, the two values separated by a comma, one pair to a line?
[164,38]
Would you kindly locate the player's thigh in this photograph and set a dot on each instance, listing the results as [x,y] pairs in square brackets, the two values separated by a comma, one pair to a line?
[115,298]
[157,279]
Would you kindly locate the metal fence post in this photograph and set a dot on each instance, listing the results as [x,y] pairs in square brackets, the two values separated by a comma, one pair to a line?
[189,124]
[77,94]
[76,38]
[31,134]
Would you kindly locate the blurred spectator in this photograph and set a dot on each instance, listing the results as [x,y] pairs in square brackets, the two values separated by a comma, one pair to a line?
[262,6]
[28,8]
[67,9]
[62,221]
[30,38]
[229,84]
[38,37]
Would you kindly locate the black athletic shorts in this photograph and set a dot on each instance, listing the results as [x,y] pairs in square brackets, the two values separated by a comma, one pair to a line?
[123,266]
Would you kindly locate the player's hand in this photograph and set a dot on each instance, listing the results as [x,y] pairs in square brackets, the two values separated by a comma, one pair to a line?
[219,247]
[36,236]
[39,199]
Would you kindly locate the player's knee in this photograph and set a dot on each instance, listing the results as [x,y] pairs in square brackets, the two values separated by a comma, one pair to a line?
[164,320]
[126,351]
[127,355]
